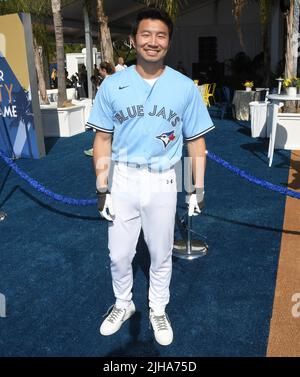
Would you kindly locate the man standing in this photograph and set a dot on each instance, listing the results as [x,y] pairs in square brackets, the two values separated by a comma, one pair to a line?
[120,66]
[105,69]
[148,109]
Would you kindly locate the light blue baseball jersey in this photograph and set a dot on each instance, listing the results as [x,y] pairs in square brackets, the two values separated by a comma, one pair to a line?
[149,123]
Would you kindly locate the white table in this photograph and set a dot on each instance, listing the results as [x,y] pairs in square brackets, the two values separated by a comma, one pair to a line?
[285,127]
[288,124]
[282,97]
[240,101]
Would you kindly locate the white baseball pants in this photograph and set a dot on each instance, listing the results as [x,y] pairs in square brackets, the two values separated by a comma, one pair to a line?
[147,200]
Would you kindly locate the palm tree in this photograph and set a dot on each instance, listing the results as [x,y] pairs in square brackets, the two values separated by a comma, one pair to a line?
[106,43]
[38,9]
[60,54]
[39,66]
[292,26]
[238,6]
[172,7]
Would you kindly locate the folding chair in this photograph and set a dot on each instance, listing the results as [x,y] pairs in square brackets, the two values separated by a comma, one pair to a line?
[226,100]
[205,94]
[202,90]
[211,93]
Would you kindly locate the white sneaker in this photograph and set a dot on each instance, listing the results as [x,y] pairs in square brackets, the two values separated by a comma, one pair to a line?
[115,319]
[161,325]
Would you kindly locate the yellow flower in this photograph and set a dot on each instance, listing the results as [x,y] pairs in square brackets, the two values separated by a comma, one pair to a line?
[249,84]
[292,81]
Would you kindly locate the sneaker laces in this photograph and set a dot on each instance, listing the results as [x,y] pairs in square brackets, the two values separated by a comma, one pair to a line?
[161,321]
[114,314]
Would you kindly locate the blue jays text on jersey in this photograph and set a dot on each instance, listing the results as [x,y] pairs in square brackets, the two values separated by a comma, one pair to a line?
[138,110]
[150,122]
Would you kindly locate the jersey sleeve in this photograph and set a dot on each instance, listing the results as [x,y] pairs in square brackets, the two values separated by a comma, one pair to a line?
[196,119]
[101,115]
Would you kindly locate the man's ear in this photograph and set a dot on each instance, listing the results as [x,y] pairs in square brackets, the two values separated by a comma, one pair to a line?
[132,40]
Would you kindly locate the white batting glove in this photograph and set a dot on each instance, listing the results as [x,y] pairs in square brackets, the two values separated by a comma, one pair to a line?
[195,202]
[105,206]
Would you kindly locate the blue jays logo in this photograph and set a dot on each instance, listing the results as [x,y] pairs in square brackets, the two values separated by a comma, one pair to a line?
[166,137]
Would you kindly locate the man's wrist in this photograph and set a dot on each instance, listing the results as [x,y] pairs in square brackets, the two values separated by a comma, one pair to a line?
[102,190]
[197,190]
[200,195]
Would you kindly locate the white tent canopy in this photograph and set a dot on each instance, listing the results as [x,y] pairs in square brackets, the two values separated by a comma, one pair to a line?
[199,19]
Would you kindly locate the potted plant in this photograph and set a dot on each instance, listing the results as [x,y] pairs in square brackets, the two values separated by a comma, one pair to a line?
[290,85]
[248,86]
[298,85]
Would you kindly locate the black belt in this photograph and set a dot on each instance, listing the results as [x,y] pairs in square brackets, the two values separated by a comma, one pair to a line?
[141,166]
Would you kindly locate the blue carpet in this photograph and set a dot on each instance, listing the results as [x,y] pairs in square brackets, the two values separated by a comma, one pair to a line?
[54,263]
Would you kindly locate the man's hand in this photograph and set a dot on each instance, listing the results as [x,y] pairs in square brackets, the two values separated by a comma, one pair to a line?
[105,206]
[195,201]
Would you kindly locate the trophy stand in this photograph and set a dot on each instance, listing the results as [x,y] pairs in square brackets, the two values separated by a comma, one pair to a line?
[189,248]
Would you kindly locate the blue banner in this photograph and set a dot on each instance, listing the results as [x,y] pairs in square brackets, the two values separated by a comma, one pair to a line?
[21,132]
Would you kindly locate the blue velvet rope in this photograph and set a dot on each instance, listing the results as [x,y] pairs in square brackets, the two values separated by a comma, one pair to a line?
[260,182]
[35,184]
[85,202]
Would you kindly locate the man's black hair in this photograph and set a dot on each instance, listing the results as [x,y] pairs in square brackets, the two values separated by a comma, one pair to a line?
[153,14]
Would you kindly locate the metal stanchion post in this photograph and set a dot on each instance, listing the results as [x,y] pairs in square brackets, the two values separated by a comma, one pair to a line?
[2,215]
[188,248]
